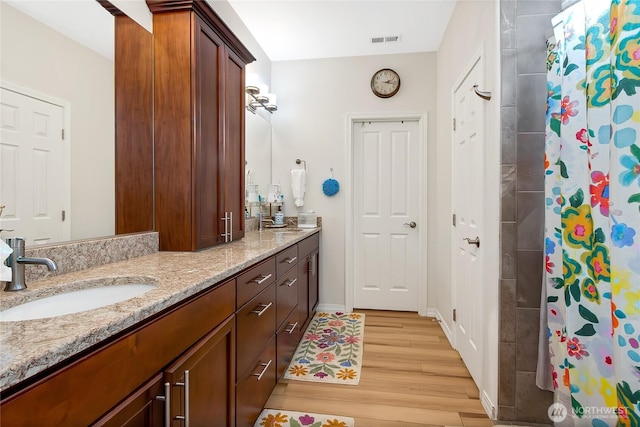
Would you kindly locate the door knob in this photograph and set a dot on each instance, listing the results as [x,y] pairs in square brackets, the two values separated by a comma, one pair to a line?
[411,224]
[475,241]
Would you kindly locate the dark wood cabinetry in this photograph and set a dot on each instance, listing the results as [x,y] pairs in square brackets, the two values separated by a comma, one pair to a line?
[197,154]
[118,368]
[216,356]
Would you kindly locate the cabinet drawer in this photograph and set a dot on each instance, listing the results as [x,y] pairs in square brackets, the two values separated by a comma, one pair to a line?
[255,388]
[286,259]
[287,340]
[254,280]
[287,295]
[256,325]
[308,245]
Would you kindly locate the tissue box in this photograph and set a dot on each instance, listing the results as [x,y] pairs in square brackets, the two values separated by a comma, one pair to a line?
[307,220]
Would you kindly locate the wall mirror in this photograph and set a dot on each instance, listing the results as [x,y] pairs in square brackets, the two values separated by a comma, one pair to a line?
[56,187]
[44,63]
[257,152]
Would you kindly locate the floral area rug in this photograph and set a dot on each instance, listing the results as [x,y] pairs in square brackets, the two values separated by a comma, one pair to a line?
[276,418]
[330,350]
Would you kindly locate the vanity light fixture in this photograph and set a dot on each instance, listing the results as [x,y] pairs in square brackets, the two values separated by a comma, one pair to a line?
[258,96]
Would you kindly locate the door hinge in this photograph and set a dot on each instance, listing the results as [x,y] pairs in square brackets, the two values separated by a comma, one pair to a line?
[64,215]
[454,314]
[454,220]
[454,123]
[63,134]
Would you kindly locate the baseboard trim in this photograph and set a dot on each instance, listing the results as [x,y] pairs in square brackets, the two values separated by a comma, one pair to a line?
[331,308]
[433,312]
[488,406]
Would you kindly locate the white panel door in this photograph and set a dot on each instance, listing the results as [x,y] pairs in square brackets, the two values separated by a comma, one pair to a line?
[32,165]
[386,208]
[467,176]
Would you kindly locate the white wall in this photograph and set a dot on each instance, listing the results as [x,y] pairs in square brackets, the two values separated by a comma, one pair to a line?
[473,23]
[314,97]
[38,58]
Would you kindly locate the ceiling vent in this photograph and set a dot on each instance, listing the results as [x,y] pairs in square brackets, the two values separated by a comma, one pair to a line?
[385,39]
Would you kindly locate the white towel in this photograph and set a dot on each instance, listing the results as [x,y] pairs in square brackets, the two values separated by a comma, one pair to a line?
[298,186]
[5,272]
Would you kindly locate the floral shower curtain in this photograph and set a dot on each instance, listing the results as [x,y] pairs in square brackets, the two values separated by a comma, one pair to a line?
[592,217]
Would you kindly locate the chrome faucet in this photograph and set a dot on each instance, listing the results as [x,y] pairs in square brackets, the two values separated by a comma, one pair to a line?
[262,220]
[17,261]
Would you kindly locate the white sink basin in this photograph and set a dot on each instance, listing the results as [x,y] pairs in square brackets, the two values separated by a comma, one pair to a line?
[73,302]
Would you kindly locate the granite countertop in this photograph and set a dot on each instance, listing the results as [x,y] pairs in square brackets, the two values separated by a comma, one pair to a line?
[31,346]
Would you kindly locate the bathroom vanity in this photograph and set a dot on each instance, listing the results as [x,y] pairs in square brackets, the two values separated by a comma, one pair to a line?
[207,344]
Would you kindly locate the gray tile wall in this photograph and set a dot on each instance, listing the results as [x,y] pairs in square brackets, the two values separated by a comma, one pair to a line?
[523,26]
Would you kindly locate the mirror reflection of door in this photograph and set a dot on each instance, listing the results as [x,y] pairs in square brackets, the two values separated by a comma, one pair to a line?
[33,184]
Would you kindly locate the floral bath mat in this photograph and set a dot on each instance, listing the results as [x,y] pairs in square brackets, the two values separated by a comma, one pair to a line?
[330,350]
[276,418]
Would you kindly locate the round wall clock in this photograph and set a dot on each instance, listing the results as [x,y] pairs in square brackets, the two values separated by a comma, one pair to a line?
[385,83]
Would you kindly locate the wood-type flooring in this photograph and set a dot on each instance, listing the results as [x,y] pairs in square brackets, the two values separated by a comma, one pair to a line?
[410,377]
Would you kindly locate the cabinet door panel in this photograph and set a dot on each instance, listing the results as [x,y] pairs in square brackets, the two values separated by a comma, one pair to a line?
[303,291]
[210,382]
[234,142]
[209,162]
[314,294]
[141,409]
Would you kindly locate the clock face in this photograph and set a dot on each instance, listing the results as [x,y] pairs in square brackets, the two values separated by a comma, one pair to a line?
[385,83]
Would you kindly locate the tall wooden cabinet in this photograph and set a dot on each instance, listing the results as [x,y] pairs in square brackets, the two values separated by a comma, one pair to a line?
[198,126]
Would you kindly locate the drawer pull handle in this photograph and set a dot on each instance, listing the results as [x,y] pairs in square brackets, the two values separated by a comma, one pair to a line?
[264,369]
[260,311]
[260,279]
[290,260]
[292,328]
[290,282]
[185,384]
[167,403]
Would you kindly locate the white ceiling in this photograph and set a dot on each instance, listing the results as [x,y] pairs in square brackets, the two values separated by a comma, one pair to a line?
[305,29]
[286,29]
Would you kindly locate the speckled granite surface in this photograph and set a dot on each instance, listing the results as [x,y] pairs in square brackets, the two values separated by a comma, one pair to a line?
[29,347]
[82,254]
